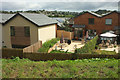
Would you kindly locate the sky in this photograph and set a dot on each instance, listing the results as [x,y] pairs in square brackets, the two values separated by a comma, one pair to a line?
[60,5]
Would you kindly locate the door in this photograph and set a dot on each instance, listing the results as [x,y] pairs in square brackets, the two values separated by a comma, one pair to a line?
[78,33]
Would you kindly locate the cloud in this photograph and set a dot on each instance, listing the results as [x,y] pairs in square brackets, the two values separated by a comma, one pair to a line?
[80,6]
[65,6]
[59,0]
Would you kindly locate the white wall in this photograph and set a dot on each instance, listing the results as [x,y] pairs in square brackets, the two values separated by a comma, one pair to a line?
[46,33]
[0,36]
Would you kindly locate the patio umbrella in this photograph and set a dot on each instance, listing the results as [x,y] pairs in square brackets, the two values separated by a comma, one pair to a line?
[111,31]
[62,38]
[108,34]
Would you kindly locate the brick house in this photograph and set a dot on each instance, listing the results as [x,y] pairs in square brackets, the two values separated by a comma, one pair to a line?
[95,23]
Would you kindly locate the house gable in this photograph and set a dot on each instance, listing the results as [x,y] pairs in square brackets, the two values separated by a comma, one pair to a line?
[19,21]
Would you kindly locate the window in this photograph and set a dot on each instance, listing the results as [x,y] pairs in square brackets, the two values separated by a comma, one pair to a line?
[91,20]
[108,21]
[27,31]
[91,32]
[12,31]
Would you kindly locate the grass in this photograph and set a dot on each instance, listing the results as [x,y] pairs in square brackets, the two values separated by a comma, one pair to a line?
[58,51]
[85,68]
[104,52]
[48,44]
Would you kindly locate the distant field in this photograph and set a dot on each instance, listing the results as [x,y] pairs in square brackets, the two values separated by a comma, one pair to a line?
[86,68]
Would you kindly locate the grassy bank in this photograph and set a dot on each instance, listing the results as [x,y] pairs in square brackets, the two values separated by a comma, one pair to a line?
[86,68]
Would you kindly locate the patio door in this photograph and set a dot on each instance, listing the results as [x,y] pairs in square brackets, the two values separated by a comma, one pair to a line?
[78,33]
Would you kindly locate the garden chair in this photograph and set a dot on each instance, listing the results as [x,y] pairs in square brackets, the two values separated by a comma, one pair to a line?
[100,45]
[107,44]
[103,43]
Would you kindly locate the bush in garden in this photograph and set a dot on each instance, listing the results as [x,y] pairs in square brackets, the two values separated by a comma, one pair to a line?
[48,44]
[89,46]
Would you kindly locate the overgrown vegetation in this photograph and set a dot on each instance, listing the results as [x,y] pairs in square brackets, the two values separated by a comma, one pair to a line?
[88,47]
[48,44]
[104,52]
[58,51]
[85,68]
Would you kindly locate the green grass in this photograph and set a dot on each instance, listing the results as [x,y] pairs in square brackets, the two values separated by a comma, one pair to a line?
[48,44]
[104,52]
[58,51]
[88,47]
[85,68]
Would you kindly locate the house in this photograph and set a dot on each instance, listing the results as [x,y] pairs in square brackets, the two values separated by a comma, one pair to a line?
[60,21]
[95,23]
[23,29]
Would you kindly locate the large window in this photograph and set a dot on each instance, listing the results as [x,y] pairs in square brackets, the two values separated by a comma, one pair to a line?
[92,32]
[27,31]
[12,31]
[108,21]
[91,20]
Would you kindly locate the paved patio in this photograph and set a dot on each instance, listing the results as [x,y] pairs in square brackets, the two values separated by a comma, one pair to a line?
[116,49]
[71,47]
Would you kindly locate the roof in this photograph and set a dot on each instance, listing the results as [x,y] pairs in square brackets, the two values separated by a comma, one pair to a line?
[92,13]
[37,19]
[78,26]
[97,15]
[5,17]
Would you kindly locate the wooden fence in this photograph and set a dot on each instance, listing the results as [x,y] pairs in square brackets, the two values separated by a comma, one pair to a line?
[8,53]
[66,34]
[34,47]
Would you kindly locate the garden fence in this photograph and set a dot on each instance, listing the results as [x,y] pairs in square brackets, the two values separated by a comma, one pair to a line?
[33,48]
[9,53]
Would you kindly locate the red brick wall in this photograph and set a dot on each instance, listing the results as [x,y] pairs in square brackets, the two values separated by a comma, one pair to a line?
[99,23]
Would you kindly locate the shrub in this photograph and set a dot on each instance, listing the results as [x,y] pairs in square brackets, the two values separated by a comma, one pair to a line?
[89,46]
[48,44]
[58,51]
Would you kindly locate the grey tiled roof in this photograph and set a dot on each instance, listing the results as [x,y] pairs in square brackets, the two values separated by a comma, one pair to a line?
[5,17]
[38,19]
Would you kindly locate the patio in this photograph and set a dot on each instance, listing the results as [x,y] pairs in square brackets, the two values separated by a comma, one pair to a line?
[116,49]
[109,42]
[69,48]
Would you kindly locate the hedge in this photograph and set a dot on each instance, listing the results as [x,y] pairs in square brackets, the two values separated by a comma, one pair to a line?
[58,51]
[10,53]
[48,44]
[88,47]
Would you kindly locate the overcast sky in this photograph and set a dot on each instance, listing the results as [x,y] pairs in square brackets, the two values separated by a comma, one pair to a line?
[61,5]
